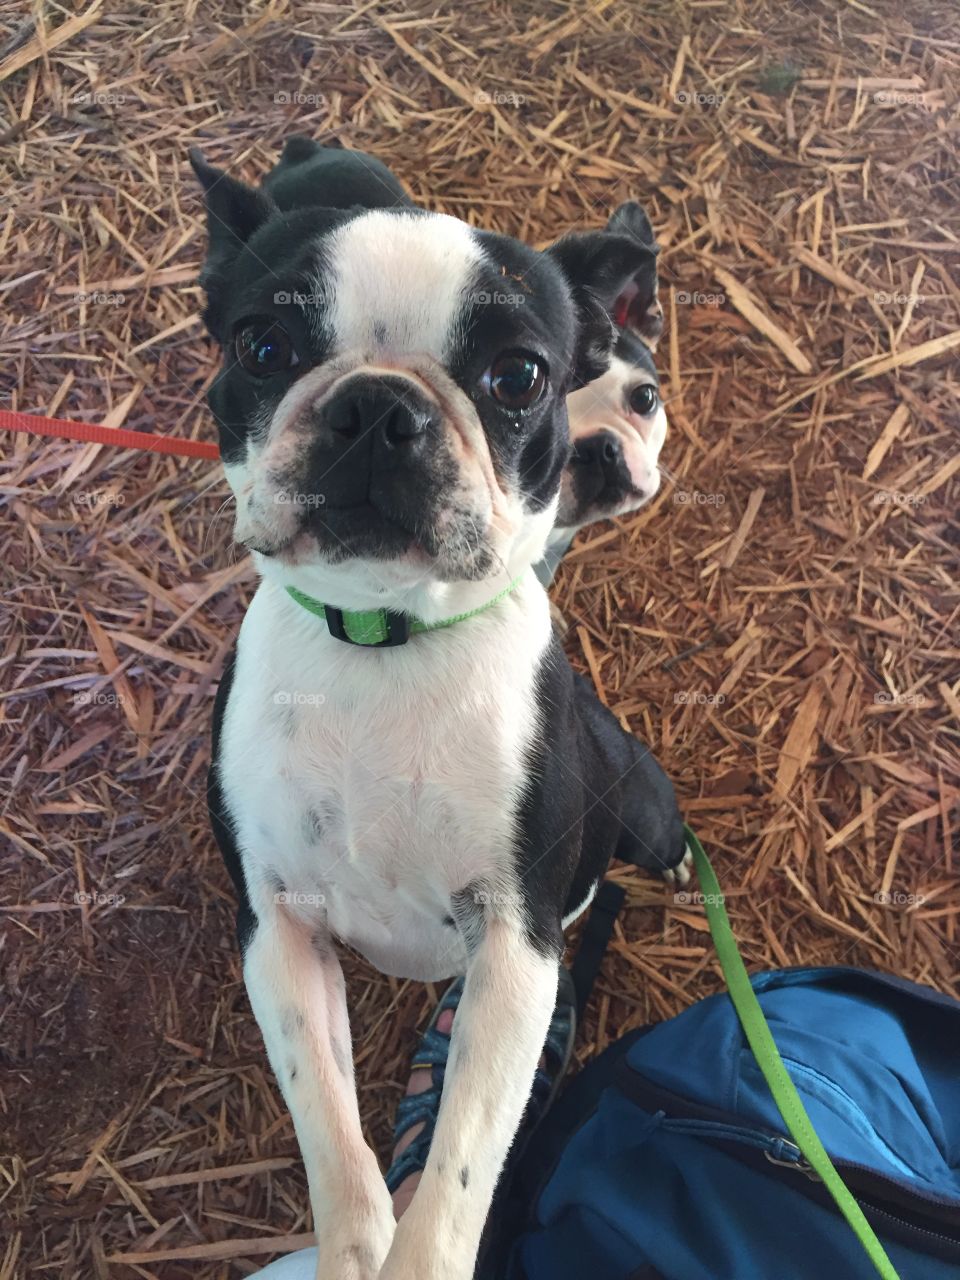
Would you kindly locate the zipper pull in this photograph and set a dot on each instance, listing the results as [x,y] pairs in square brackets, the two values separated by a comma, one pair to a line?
[789,1156]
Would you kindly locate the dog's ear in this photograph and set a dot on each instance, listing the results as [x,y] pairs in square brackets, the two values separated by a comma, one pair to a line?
[638,307]
[234,212]
[607,270]
[630,220]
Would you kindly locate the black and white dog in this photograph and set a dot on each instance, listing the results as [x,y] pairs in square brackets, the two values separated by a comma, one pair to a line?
[403,759]
[617,422]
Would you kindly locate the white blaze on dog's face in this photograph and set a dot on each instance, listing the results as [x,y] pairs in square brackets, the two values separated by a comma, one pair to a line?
[393,389]
[397,432]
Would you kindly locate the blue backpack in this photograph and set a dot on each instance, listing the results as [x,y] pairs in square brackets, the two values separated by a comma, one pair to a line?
[667,1158]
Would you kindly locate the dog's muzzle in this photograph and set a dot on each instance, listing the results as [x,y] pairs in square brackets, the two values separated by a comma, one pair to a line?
[603,476]
[371,442]
[377,466]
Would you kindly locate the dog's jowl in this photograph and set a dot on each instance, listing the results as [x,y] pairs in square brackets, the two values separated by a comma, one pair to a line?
[403,759]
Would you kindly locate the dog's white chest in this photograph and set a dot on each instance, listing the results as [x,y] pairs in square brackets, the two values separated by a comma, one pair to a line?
[369,787]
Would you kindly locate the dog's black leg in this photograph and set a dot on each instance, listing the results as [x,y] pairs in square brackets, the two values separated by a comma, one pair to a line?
[651,829]
[627,781]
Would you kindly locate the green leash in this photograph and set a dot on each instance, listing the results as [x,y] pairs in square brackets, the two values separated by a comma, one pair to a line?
[771,1064]
[381,628]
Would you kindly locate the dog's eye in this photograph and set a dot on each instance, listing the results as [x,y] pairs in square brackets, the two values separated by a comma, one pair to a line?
[516,379]
[263,347]
[644,399]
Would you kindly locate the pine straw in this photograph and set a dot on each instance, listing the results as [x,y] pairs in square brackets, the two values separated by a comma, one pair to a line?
[781,624]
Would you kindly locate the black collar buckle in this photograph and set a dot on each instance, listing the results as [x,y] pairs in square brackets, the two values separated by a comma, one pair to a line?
[397,624]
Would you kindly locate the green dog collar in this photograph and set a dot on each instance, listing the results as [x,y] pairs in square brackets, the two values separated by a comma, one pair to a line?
[382,628]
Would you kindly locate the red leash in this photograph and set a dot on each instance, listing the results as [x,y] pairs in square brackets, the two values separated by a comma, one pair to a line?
[117,436]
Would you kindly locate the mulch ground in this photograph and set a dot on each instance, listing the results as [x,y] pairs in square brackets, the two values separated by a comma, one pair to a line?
[781,624]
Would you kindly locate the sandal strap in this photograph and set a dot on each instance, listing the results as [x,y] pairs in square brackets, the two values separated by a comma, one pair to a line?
[432,1054]
[416,1108]
[413,1160]
[423,1108]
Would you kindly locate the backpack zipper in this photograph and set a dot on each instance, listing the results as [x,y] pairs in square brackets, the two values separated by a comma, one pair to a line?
[800,1163]
[710,1122]
[777,1149]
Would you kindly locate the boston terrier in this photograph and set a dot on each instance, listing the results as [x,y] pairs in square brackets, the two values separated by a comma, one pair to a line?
[617,423]
[403,760]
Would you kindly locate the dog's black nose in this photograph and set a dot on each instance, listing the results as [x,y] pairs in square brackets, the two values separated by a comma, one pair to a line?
[602,451]
[374,443]
[391,415]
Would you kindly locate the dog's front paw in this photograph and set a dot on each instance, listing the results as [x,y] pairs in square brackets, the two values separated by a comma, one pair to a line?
[349,1257]
[421,1253]
[681,873]
[409,1267]
[352,1243]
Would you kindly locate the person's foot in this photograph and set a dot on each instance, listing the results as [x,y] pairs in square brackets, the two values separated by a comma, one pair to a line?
[421,1080]
[420,1106]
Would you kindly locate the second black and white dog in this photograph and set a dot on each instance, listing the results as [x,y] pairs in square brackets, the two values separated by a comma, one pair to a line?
[618,422]
[403,759]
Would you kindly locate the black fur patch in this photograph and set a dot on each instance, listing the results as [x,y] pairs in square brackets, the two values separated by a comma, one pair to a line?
[467,910]
[603,794]
[220,818]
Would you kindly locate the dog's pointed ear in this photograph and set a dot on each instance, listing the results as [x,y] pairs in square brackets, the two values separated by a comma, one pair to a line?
[630,220]
[602,267]
[638,306]
[234,212]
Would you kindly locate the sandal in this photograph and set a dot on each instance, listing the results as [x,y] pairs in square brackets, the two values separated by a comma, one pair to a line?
[432,1053]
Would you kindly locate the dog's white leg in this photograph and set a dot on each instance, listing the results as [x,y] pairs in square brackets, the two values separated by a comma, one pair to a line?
[296,988]
[498,1035]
